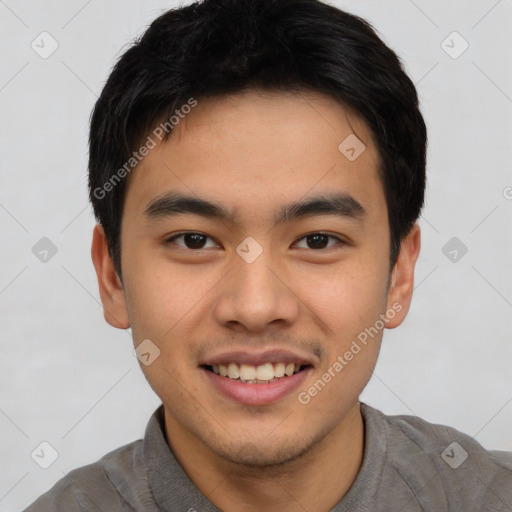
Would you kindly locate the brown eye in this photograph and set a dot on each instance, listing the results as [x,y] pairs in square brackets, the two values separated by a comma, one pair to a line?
[318,241]
[192,241]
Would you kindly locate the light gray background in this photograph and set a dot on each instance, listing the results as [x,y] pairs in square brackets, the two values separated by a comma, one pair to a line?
[68,378]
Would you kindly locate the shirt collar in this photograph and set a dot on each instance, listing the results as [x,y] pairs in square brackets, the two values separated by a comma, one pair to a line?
[174,491]
[172,488]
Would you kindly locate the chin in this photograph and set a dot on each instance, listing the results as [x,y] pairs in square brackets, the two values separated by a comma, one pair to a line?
[260,454]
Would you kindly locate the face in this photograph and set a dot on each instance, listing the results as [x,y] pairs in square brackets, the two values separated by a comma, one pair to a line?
[253,246]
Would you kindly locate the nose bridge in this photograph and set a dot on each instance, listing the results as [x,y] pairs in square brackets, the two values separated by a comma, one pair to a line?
[254,296]
[256,278]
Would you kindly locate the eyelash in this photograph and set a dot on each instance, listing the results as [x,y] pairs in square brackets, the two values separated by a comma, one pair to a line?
[173,238]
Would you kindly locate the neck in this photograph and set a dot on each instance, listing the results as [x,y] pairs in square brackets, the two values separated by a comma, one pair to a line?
[317,480]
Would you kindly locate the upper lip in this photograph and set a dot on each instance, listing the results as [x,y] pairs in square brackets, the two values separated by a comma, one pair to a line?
[257,358]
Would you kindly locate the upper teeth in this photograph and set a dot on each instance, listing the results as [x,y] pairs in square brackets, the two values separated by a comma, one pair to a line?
[252,374]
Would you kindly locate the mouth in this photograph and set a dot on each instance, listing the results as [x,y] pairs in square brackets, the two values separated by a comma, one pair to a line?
[256,379]
[265,373]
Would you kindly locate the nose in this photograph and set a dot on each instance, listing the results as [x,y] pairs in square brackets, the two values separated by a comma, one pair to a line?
[254,296]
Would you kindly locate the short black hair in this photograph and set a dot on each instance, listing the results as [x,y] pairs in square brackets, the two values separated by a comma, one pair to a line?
[221,47]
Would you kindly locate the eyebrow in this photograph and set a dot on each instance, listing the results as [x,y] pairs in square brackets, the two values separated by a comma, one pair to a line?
[339,204]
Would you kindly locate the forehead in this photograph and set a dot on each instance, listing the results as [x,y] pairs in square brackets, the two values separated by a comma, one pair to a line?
[256,149]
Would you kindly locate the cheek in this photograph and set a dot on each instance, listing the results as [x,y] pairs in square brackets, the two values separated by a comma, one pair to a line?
[346,304]
[163,297]
[347,298]
[165,306]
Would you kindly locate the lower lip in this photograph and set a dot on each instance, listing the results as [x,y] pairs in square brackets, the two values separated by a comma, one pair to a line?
[256,394]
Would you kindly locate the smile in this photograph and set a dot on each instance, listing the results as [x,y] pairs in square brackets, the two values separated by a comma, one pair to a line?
[256,385]
[251,374]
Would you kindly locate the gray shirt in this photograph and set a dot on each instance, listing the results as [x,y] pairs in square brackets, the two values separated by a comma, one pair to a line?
[408,465]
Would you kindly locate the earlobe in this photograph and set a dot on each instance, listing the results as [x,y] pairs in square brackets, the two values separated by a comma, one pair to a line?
[110,286]
[402,278]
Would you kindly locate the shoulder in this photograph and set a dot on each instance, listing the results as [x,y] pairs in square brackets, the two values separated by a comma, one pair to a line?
[453,463]
[94,485]
[449,445]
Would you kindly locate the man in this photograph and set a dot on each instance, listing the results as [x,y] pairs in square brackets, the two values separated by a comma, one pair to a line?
[257,169]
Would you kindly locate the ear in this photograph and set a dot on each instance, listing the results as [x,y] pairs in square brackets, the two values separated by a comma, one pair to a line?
[110,286]
[402,278]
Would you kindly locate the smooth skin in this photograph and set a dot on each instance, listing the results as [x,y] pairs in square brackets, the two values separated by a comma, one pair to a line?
[253,153]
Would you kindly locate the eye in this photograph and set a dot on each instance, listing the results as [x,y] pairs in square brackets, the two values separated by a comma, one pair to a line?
[318,241]
[192,240]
